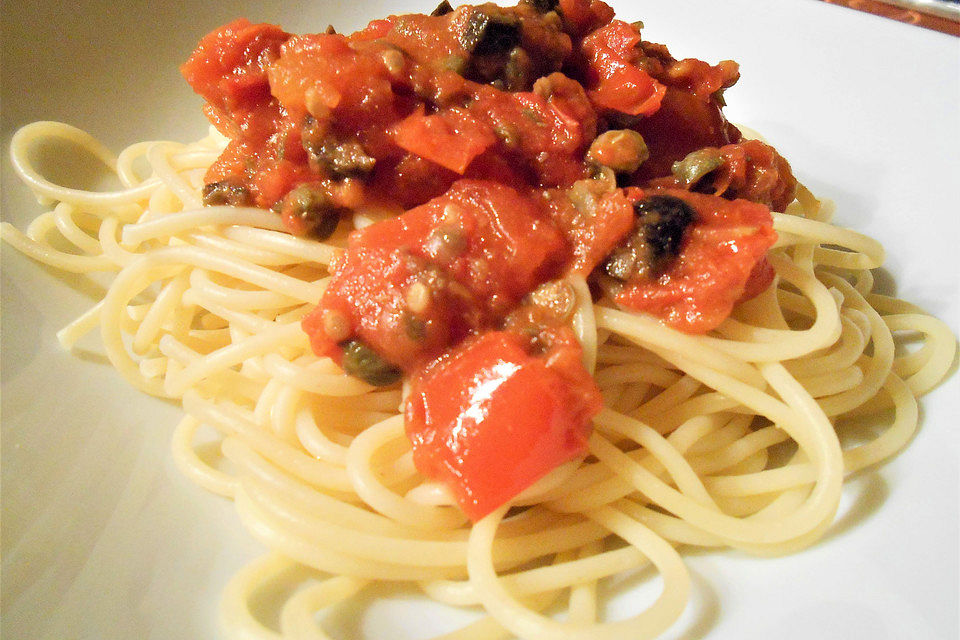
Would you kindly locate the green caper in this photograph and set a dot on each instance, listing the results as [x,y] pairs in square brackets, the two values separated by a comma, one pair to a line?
[312,205]
[361,361]
[696,165]
[517,71]
[226,192]
[623,150]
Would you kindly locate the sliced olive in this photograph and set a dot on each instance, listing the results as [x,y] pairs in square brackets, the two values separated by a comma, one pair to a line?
[361,361]
[662,222]
[226,192]
[442,9]
[312,205]
[490,34]
[623,150]
[543,6]
[696,165]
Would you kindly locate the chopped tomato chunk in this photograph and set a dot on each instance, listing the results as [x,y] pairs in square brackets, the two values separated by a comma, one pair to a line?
[488,419]
[615,82]
[411,286]
[452,138]
[229,66]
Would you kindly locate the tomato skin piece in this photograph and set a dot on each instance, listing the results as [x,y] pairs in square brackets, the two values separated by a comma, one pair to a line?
[229,67]
[580,17]
[592,231]
[615,83]
[684,123]
[720,254]
[505,247]
[487,419]
[451,138]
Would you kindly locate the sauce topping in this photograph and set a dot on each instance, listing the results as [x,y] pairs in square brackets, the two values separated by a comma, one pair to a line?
[526,144]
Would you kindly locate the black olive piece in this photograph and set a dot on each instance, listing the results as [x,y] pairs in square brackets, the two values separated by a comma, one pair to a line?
[442,9]
[361,361]
[544,6]
[664,219]
[226,192]
[490,34]
[315,208]
[661,224]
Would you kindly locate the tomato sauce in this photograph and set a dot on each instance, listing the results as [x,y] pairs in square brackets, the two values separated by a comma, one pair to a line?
[524,144]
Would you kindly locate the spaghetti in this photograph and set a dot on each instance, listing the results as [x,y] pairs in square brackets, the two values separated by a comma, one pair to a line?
[725,440]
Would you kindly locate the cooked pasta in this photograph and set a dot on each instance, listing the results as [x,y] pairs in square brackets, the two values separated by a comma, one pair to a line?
[723,440]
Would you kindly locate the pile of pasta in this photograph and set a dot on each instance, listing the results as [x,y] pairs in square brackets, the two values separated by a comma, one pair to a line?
[727,440]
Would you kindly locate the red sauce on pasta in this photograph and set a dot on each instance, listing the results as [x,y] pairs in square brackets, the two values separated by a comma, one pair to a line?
[525,144]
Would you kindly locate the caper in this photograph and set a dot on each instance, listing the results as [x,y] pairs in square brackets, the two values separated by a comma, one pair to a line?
[446,242]
[696,165]
[361,361]
[339,158]
[226,192]
[312,205]
[556,298]
[517,71]
[414,327]
[623,150]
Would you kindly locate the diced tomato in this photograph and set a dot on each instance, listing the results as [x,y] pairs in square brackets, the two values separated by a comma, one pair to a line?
[317,73]
[721,251]
[750,170]
[684,123]
[593,226]
[229,66]
[475,251]
[614,81]
[580,17]
[755,171]
[374,30]
[488,419]
[451,138]
[550,134]
[430,40]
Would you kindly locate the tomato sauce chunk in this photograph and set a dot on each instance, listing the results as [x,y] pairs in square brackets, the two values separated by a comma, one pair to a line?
[410,286]
[722,252]
[488,419]
[615,82]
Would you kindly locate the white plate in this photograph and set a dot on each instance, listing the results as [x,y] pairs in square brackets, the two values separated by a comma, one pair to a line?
[103,539]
